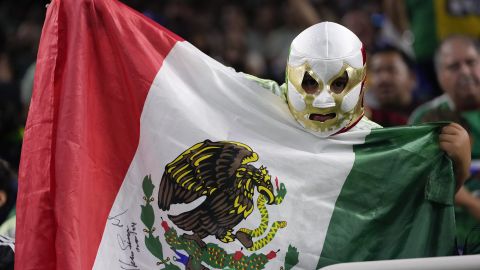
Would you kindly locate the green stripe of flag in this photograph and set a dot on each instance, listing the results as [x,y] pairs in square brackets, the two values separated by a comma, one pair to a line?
[400,189]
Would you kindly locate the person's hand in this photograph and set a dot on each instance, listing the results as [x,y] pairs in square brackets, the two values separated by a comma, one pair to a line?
[474,209]
[464,198]
[454,140]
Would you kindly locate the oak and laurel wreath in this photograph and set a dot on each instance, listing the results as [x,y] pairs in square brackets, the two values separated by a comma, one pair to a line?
[147,216]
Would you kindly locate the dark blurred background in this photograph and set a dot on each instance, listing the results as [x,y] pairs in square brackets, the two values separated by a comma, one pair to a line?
[250,36]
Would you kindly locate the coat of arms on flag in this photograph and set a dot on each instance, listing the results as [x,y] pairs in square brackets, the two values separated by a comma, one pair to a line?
[220,172]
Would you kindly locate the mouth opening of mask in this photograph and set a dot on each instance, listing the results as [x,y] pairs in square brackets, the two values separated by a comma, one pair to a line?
[321,117]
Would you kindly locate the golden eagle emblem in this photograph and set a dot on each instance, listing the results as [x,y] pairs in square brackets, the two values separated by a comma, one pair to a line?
[221,172]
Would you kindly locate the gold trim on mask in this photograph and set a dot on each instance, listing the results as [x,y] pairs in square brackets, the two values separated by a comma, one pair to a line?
[342,119]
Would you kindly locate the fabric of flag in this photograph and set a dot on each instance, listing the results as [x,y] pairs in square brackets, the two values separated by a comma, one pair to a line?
[141,152]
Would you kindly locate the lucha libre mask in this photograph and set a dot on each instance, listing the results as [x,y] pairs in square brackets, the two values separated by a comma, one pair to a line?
[325,75]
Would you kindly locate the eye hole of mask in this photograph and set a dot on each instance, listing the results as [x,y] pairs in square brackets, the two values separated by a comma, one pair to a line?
[309,84]
[339,84]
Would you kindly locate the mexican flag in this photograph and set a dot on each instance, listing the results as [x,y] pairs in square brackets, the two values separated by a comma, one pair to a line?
[141,152]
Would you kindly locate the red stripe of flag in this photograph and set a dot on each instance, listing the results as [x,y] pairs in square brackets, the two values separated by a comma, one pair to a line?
[96,62]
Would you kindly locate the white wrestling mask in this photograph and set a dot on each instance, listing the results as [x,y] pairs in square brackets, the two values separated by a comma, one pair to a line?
[325,76]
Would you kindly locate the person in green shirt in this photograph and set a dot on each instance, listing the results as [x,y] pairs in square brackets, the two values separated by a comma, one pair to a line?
[457,63]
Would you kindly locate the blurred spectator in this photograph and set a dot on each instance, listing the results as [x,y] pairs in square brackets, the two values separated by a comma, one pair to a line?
[457,62]
[8,197]
[391,81]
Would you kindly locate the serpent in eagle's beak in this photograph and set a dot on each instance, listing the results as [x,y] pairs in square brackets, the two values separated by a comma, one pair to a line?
[267,193]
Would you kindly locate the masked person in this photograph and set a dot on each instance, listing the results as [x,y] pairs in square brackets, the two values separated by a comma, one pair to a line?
[324,90]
